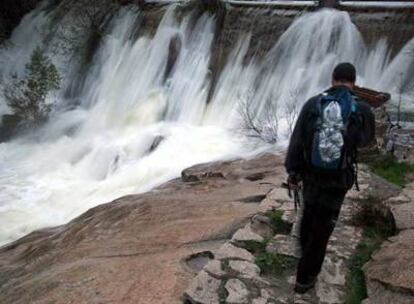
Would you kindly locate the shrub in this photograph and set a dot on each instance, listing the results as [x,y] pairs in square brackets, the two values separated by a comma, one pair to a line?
[26,97]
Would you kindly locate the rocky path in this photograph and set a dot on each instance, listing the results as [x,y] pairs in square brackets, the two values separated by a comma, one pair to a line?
[224,230]
[257,266]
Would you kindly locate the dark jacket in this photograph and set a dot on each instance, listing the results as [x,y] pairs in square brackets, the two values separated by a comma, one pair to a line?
[361,132]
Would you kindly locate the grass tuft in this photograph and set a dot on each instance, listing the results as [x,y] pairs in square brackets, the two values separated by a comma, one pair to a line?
[386,166]
[377,228]
[278,224]
[255,247]
[275,264]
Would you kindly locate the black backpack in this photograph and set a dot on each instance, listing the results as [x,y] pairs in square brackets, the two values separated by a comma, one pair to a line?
[331,148]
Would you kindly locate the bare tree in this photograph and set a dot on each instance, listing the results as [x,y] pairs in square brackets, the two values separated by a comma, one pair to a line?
[292,110]
[260,122]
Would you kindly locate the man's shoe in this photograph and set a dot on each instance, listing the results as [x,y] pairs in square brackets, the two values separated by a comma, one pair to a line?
[302,288]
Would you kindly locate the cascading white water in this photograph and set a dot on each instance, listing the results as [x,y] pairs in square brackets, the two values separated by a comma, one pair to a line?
[300,65]
[99,150]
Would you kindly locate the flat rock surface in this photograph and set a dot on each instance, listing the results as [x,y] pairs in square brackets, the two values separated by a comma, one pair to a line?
[132,249]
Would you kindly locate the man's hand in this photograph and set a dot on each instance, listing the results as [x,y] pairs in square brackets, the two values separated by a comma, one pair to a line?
[293,180]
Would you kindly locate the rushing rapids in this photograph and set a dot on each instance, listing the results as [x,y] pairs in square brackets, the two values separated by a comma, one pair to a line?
[99,142]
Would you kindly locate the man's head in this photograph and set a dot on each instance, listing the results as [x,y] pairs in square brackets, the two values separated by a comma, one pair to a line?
[344,74]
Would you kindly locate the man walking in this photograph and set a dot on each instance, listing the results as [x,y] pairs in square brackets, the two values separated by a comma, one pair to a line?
[322,153]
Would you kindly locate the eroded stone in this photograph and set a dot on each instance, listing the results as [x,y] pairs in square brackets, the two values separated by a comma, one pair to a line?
[378,294]
[214,268]
[246,234]
[246,269]
[403,215]
[261,225]
[228,251]
[203,289]
[238,293]
[284,244]
[393,264]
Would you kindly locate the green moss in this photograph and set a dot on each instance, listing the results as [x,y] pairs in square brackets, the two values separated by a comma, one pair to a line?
[222,292]
[255,247]
[278,224]
[386,166]
[377,228]
[275,264]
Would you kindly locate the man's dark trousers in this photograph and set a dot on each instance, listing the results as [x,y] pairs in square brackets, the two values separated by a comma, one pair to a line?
[321,211]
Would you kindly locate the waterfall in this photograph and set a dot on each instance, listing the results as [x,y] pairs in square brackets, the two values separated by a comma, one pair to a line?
[101,147]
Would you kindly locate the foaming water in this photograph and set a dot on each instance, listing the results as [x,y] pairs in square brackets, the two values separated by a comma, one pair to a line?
[104,147]
[300,64]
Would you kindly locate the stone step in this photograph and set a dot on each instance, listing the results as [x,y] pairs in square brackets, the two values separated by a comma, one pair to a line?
[284,244]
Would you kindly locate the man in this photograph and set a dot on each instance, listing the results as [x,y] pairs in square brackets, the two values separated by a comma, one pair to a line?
[322,153]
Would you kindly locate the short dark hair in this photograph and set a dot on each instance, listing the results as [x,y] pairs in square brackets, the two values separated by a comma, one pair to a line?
[345,72]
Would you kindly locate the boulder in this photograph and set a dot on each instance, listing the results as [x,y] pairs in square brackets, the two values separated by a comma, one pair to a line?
[246,234]
[403,215]
[247,270]
[390,273]
[237,290]
[203,290]
[229,251]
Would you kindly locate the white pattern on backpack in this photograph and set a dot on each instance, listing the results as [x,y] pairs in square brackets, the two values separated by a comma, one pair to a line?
[331,139]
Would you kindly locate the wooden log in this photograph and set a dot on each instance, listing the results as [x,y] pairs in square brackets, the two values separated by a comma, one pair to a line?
[374,98]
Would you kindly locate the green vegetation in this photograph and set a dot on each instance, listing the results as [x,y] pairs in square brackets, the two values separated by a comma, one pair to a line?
[377,228]
[222,292]
[279,225]
[255,247]
[275,264]
[386,166]
[26,97]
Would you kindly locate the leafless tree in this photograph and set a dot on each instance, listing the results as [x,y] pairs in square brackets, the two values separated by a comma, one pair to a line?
[292,110]
[260,122]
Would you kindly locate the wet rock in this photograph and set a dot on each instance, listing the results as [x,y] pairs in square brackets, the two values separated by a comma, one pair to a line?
[197,261]
[203,290]
[12,11]
[155,143]
[403,215]
[246,270]
[237,290]
[8,126]
[229,251]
